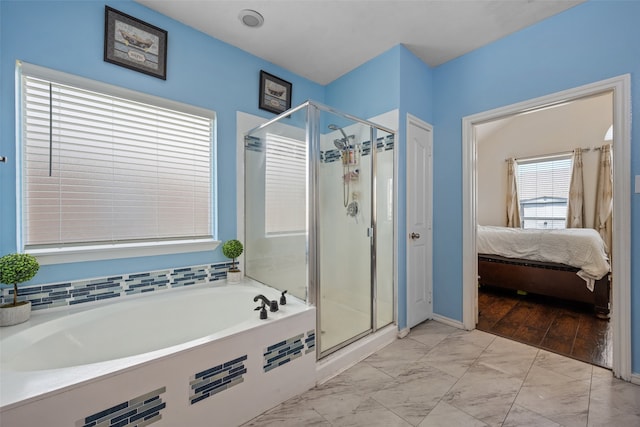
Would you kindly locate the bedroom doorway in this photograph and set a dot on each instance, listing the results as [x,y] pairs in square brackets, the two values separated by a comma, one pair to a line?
[541,141]
[620,111]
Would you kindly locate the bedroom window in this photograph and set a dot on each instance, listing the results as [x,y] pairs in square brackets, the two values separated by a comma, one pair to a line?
[285,185]
[543,190]
[108,167]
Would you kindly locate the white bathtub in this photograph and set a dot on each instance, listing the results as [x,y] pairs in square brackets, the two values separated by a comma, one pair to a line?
[69,365]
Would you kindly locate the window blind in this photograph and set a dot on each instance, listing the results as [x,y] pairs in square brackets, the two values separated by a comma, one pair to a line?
[104,169]
[543,189]
[285,185]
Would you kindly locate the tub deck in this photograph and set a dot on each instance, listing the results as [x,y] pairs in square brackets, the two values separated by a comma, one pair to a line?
[50,357]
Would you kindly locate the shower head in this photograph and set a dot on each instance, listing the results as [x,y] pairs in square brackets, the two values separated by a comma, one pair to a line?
[341,144]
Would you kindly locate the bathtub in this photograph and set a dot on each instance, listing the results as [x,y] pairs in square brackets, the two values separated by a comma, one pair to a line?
[193,356]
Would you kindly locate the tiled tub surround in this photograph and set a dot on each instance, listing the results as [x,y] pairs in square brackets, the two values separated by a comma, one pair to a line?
[217,379]
[285,351]
[54,295]
[139,411]
[65,364]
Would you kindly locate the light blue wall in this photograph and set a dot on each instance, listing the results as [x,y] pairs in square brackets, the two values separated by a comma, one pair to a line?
[588,43]
[202,71]
[369,90]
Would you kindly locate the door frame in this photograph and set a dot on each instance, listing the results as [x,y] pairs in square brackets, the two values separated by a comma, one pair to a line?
[420,123]
[621,263]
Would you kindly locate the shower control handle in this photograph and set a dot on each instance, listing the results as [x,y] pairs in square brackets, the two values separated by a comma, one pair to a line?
[414,236]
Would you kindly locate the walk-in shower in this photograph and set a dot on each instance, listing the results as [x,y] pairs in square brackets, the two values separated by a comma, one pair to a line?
[319,217]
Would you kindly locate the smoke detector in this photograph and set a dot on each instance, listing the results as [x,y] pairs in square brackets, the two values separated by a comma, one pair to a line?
[251,18]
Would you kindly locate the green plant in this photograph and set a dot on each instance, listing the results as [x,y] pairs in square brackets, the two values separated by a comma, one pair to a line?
[17,268]
[232,249]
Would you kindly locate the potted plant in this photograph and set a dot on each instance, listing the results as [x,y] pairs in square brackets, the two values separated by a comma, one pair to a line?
[233,249]
[14,269]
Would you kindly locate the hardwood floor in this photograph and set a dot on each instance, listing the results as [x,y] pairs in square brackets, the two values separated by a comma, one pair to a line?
[566,328]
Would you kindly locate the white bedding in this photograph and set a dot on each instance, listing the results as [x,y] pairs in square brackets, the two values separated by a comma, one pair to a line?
[578,247]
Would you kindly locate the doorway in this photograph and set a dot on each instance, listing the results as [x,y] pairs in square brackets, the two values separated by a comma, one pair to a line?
[621,323]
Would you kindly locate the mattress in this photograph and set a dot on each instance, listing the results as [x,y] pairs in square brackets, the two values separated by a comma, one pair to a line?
[582,248]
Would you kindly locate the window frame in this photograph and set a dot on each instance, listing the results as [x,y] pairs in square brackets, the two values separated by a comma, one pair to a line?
[64,253]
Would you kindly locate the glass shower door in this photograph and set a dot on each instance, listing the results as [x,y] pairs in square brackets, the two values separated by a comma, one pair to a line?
[344,232]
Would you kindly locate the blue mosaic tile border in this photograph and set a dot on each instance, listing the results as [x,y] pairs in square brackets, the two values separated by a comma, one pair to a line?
[219,378]
[253,143]
[83,291]
[140,411]
[285,351]
[385,143]
[310,341]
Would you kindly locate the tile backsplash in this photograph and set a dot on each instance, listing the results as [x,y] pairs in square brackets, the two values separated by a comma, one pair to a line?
[82,291]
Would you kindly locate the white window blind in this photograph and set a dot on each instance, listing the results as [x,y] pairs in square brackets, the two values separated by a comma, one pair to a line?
[543,189]
[103,169]
[285,185]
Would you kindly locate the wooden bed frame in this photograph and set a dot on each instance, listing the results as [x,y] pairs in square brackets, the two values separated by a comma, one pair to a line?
[543,278]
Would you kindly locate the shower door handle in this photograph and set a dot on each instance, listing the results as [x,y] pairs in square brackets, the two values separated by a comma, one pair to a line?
[414,236]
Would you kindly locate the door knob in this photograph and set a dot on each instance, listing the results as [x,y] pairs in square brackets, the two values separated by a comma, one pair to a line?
[414,236]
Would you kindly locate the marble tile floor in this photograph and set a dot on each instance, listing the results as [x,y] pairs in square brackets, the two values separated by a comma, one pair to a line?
[442,376]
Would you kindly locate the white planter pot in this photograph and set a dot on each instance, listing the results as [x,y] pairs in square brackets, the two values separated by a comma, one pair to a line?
[13,315]
[234,276]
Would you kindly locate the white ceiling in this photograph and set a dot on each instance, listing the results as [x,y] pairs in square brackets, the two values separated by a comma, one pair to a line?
[324,39]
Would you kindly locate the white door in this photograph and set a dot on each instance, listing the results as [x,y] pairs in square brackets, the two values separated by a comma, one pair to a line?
[419,221]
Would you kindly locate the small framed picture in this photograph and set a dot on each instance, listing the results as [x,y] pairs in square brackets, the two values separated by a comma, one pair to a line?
[134,44]
[275,93]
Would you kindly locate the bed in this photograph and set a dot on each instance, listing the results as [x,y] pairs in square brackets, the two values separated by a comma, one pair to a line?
[569,264]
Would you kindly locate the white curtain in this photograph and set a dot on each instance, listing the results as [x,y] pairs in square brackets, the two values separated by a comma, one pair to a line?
[513,204]
[604,196]
[575,204]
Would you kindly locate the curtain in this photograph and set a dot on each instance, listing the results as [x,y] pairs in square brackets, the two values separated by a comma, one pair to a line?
[604,196]
[575,204]
[513,204]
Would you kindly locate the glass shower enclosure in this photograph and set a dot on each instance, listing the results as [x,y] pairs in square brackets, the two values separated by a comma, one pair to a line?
[319,218]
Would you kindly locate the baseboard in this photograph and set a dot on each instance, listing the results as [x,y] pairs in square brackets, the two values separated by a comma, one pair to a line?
[635,379]
[448,321]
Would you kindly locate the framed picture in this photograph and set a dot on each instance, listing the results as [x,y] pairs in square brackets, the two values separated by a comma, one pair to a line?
[134,44]
[275,93]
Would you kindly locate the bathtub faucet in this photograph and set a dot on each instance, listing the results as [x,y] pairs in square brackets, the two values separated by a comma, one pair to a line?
[273,305]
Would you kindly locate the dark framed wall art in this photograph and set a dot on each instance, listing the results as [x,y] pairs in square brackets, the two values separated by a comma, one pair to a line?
[134,44]
[275,93]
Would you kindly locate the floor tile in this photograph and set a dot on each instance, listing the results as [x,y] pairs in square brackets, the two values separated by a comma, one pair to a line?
[613,402]
[370,414]
[484,393]
[442,376]
[456,353]
[508,357]
[522,417]
[556,396]
[393,358]
[445,415]
[410,398]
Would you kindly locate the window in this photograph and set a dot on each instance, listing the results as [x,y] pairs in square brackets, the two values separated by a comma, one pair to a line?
[543,189]
[285,185]
[102,167]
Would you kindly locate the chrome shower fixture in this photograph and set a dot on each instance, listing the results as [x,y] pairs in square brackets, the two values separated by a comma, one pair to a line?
[341,144]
